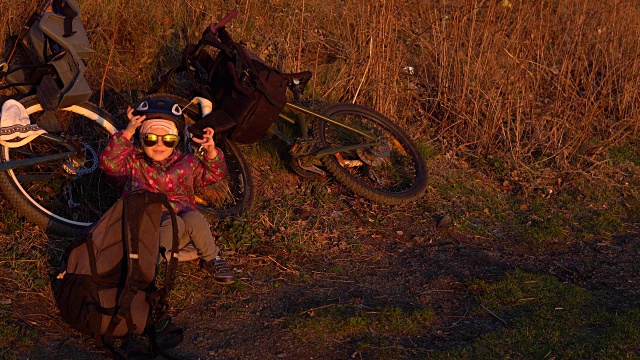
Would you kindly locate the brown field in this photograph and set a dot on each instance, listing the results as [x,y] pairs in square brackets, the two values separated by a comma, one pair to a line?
[525,245]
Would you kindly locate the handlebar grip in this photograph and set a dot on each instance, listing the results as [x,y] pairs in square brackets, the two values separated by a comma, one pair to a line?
[215,27]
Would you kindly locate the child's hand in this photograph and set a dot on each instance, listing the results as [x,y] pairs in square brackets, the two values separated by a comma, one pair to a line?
[207,143]
[134,122]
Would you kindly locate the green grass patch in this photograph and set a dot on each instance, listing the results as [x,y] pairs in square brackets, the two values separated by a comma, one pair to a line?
[14,338]
[427,149]
[345,322]
[556,209]
[624,154]
[598,223]
[596,210]
[544,318]
[519,290]
[240,235]
[316,193]
[11,222]
[538,221]
[472,200]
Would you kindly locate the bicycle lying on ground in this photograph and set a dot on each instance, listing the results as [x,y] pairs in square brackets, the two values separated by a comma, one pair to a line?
[54,180]
[361,148]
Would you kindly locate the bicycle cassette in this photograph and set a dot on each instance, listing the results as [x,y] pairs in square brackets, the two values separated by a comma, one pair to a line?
[374,156]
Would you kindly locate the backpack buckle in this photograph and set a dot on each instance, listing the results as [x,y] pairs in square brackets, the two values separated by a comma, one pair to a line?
[122,312]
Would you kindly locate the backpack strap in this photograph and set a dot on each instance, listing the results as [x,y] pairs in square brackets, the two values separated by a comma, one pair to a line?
[130,239]
[158,299]
[134,208]
[61,7]
[237,51]
[220,40]
[173,255]
[171,337]
[208,38]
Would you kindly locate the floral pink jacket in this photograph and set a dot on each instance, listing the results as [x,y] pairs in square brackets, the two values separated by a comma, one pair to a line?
[177,176]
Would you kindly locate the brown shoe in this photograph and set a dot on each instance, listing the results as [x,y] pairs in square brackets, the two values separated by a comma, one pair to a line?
[219,269]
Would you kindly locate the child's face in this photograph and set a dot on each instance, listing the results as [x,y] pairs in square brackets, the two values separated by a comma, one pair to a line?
[159,151]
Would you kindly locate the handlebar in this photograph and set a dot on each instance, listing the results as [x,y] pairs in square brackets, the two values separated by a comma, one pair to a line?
[215,27]
[216,33]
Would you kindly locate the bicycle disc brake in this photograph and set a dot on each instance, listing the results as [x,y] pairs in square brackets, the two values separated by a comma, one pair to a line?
[85,162]
[374,156]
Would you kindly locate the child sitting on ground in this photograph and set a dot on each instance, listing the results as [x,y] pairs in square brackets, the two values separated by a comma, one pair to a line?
[161,168]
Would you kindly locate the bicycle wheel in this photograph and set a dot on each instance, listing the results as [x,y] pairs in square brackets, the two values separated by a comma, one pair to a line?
[234,194]
[63,196]
[391,173]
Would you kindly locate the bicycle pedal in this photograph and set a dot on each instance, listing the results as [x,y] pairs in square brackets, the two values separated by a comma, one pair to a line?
[315,170]
[48,93]
[302,146]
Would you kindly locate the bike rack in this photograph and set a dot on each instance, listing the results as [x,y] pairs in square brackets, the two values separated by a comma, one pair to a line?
[15,164]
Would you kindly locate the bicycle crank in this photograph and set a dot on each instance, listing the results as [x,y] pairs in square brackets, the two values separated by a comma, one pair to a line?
[301,163]
[305,167]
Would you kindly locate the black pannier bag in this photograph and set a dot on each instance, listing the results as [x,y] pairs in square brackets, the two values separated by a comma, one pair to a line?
[248,93]
[108,285]
[251,92]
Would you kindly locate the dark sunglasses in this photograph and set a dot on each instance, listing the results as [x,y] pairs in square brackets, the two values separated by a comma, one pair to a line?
[169,140]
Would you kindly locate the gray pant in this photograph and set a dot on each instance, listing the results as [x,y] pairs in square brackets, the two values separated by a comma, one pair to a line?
[192,226]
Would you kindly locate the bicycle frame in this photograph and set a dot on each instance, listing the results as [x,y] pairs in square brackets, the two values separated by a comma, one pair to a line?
[355,144]
[15,164]
[301,122]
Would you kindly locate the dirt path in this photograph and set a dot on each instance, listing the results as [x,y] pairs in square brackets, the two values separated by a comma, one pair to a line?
[406,264]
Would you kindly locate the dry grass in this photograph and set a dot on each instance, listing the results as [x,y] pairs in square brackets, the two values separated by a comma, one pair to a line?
[538,84]
[546,82]
[527,88]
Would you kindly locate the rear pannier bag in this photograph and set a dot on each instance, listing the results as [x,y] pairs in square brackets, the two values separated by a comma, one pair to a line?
[108,285]
[248,93]
[251,92]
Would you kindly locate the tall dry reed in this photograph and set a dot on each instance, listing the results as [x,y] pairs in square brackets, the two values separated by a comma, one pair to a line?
[546,83]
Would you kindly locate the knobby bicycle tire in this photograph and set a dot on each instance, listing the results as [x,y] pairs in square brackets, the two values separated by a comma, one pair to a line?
[63,197]
[235,193]
[392,173]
